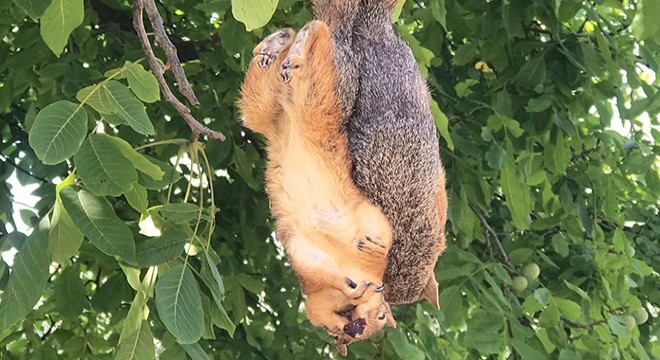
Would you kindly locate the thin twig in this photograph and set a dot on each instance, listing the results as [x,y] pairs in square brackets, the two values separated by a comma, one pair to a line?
[172,64]
[576,324]
[489,230]
[24,171]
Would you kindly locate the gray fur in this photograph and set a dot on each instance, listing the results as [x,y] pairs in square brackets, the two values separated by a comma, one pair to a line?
[392,139]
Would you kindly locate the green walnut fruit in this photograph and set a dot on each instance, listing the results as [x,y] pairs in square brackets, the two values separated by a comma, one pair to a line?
[630,251]
[531,272]
[519,284]
[640,316]
[630,321]
[463,243]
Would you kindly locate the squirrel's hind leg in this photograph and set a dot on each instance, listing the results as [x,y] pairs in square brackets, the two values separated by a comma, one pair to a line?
[310,72]
[260,103]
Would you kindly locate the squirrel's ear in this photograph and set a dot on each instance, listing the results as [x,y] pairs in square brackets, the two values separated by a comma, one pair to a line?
[390,318]
[342,348]
[430,292]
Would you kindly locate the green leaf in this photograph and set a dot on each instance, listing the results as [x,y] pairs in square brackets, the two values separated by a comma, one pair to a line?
[179,304]
[58,131]
[170,176]
[195,351]
[451,298]
[211,277]
[110,295]
[143,83]
[439,12]
[34,8]
[58,21]
[442,123]
[139,345]
[28,277]
[253,13]
[403,348]
[128,108]
[517,196]
[496,122]
[397,10]
[560,244]
[245,168]
[645,24]
[526,351]
[140,162]
[102,168]
[578,291]
[618,328]
[70,297]
[96,96]
[64,238]
[496,156]
[539,104]
[137,198]
[157,250]
[176,213]
[484,332]
[532,74]
[96,219]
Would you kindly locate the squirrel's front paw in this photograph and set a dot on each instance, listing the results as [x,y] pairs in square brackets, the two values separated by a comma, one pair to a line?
[268,49]
[371,246]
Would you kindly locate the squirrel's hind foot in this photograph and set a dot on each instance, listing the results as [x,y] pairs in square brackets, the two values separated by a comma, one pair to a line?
[268,49]
[297,52]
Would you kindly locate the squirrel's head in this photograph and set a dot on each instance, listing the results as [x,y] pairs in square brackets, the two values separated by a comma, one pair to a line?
[364,320]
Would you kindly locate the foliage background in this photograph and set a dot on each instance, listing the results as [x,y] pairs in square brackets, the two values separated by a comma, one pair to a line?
[526,92]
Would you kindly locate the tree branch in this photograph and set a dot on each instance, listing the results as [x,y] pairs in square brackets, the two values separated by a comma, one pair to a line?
[20,169]
[576,324]
[173,64]
[490,232]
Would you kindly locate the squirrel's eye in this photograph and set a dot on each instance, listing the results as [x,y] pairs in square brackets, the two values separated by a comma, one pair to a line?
[382,317]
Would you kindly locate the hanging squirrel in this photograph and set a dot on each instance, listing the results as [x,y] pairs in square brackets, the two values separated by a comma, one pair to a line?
[348,123]
[392,140]
[336,240]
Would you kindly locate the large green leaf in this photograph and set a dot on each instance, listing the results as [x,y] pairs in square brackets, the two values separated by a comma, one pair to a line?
[28,277]
[532,74]
[403,348]
[157,250]
[253,13]
[212,279]
[34,8]
[180,305]
[645,24]
[70,297]
[102,168]
[139,345]
[64,238]
[96,96]
[451,299]
[98,222]
[140,162]
[517,196]
[59,20]
[195,351]
[137,197]
[128,108]
[58,131]
[143,83]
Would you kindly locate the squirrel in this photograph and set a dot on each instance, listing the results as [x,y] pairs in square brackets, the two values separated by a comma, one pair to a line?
[336,240]
[392,140]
